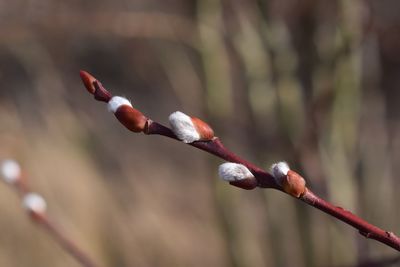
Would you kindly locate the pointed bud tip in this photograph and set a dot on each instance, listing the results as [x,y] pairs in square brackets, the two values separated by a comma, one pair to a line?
[88,81]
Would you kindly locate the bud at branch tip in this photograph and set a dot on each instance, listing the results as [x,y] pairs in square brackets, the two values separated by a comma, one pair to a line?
[11,171]
[88,81]
[94,87]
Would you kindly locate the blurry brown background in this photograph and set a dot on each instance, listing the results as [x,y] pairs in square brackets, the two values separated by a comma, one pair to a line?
[315,83]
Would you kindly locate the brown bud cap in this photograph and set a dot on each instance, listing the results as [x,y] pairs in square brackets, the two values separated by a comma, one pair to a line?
[294,184]
[203,129]
[94,87]
[248,184]
[131,118]
[88,81]
[101,94]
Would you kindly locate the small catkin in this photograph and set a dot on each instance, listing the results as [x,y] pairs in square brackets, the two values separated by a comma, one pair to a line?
[183,127]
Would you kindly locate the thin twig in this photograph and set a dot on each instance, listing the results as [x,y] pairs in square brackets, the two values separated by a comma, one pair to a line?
[264,179]
[35,206]
[216,148]
[66,243]
[364,228]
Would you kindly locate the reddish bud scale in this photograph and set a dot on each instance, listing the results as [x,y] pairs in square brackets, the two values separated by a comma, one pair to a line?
[247,184]
[94,87]
[101,94]
[205,131]
[131,118]
[294,184]
[88,81]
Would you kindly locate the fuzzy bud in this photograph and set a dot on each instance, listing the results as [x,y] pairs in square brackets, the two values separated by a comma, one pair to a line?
[11,171]
[279,171]
[116,102]
[34,203]
[291,182]
[128,116]
[190,129]
[237,175]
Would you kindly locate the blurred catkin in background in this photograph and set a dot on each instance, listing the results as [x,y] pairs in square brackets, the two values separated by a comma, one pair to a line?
[315,83]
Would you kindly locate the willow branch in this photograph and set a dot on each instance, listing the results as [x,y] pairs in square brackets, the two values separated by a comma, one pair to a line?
[66,243]
[216,148]
[36,207]
[292,183]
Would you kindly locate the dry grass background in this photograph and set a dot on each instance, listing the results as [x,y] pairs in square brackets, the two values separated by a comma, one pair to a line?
[311,82]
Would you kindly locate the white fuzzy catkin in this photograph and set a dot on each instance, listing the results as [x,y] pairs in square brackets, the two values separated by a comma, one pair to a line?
[279,171]
[234,172]
[183,127]
[34,203]
[10,171]
[117,101]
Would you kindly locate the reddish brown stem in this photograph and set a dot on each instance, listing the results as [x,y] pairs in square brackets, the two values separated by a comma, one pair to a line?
[266,180]
[366,229]
[22,188]
[215,147]
[64,242]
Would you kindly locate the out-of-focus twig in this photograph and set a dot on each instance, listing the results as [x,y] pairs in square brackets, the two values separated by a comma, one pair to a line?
[36,206]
